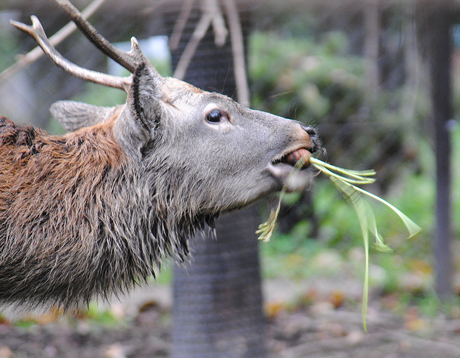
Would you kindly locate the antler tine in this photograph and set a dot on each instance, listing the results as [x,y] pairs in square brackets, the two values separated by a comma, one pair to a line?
[37,32]
[127,60]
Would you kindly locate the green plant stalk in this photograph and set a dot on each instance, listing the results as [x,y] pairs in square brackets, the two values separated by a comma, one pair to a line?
[366,217]
[365,301]
[266,229]
[347,188]
[345,181]
[358,174]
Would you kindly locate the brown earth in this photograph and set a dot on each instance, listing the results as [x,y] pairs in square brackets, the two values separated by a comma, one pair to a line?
[316,323]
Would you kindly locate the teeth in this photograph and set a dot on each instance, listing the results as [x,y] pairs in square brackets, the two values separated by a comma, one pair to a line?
[293,158]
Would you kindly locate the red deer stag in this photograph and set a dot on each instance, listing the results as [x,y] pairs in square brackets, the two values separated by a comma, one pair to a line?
[96,211]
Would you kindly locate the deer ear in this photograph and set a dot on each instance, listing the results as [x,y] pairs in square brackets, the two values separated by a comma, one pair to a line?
[75,115]
[140,118]
[146,96]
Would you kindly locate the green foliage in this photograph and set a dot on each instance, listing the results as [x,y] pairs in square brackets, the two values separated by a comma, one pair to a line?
[25,324]
[8,50]
[54,127]
[104,317]
[298,77]
[320,82]
[291,256]
[165,275]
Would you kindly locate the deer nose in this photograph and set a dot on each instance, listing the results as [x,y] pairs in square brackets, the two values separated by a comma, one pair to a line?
[310,130]
[313,136]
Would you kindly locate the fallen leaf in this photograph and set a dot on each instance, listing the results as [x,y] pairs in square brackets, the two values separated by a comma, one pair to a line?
[336,297]
[273,309]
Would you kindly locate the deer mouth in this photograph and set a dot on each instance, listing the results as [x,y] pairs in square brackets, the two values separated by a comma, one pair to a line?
[282,169]
[291,158]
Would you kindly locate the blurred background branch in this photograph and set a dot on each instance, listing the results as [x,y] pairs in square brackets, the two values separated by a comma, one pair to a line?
[57,38]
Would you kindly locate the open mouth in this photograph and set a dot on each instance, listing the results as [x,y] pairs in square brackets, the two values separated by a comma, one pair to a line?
[293,157]
[292,180]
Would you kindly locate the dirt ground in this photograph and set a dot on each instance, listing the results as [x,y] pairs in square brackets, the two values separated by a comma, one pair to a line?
[322,326]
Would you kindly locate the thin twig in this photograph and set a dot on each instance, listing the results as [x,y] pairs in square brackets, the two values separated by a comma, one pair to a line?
[218,23]
[192,45]
[58,37]
[239,62]
[180,24]
[211,13]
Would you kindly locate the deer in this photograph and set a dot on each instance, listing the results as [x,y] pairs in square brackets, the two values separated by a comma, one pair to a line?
[97,210]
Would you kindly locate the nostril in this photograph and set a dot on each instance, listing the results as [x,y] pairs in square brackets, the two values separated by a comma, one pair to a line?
[315,141]
[310,130]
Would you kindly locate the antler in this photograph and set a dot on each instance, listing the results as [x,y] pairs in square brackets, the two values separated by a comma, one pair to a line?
[128,60]
[125,59]
[37,32]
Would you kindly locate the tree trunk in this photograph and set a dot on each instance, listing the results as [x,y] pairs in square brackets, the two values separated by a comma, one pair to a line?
[217,297]
[440,71]
[435,21]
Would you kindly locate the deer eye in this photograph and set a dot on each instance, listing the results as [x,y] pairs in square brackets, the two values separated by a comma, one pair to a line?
[215,116]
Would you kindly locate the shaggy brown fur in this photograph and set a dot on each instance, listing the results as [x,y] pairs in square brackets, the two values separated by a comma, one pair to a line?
[51,203]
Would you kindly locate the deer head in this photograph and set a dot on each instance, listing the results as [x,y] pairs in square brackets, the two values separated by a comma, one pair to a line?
[199,130]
